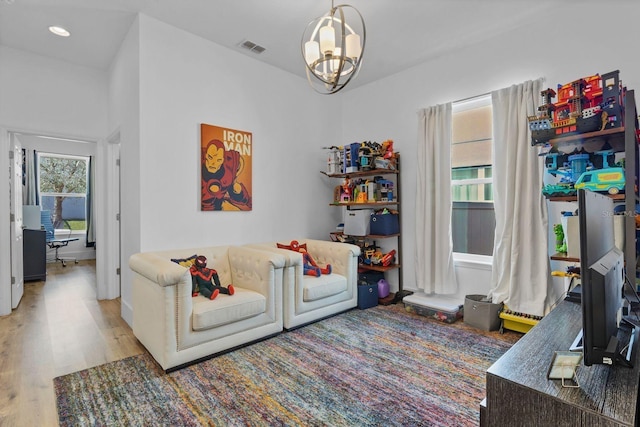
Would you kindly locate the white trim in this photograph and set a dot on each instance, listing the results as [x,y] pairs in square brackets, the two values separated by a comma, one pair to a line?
[51,135]
[471,181]
[482,262]
[5,236]
[471,103]
[109,231]
[5,241]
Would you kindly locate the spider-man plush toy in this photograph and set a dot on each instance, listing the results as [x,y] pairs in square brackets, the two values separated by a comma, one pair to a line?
[311,268]
[206,281]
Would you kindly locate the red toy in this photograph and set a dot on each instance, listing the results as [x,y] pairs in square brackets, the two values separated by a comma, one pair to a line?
[205,280]
[388,258]
[311,268]
[387,149]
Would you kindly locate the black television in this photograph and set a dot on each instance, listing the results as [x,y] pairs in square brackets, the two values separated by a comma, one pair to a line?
[602,282]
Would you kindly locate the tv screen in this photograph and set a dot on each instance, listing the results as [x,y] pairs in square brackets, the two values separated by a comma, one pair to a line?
[602,277]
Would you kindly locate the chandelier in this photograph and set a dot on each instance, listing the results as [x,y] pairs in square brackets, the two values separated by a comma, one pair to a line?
[332,47]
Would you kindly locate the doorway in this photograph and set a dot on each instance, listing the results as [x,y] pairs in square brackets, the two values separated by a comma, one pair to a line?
[105,180]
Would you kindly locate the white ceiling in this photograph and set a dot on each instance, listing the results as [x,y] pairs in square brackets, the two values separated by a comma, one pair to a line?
[400,33]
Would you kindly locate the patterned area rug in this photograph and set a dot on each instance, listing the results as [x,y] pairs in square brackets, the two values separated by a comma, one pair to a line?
[380,366]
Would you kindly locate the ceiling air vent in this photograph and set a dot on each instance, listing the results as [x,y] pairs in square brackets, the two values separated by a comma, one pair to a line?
[255,48]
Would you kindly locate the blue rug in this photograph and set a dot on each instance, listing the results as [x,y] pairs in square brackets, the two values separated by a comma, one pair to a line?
[376,367]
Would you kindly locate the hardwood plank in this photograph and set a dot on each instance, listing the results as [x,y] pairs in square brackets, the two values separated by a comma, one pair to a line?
[58,328]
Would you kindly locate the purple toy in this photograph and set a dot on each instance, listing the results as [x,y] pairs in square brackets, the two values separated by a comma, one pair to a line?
[383,288]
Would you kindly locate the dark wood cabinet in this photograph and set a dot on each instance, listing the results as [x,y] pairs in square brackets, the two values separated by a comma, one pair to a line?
[519,393]
[34,255]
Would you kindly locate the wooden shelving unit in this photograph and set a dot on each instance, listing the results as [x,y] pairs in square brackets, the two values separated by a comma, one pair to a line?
[564,257]
[629,135]
[396,203]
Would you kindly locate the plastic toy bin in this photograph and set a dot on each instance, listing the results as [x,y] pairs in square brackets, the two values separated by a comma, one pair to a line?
[439,308]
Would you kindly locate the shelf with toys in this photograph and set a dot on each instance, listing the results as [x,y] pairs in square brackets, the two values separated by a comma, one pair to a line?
[590,140]
[370,194]
[371,257]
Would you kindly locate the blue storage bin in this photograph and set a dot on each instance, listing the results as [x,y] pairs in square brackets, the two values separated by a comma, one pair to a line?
[367,296]
[384,224]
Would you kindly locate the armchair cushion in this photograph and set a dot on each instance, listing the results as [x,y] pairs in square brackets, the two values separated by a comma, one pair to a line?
[224,309]
[324,286]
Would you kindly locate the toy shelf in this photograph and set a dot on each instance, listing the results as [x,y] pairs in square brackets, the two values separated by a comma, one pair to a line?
[393,204]
[619,196]
[363,203]
[364,267]
[362,174]
[370,236]
[581,137]
[626,140]
[564,257]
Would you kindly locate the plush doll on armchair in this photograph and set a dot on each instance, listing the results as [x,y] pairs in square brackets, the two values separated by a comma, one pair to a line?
[206,281]
[311,268]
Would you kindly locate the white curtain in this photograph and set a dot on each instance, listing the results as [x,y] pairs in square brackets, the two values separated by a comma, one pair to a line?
[434,255]
[90,208]
[520,273]
[30,190]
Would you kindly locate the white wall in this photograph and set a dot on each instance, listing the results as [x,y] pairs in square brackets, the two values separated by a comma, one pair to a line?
[553,48]
[44,95]
[184,81]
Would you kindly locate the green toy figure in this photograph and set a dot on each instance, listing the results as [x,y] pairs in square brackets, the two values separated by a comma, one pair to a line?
[205,280]
[561,246]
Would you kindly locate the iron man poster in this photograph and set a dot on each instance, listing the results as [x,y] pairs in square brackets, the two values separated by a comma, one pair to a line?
[225,169]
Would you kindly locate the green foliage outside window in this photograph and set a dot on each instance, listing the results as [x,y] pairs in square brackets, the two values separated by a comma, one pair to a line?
[62,177]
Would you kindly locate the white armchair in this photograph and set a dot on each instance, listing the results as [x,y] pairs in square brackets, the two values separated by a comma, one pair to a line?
[308,298]
[178,329]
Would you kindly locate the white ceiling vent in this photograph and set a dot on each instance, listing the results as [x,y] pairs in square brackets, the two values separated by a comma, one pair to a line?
[249,45]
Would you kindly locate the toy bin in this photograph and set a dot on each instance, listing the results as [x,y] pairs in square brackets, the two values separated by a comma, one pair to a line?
[481,314]
[367,296]
[440,308]
[384,224]
[356,222]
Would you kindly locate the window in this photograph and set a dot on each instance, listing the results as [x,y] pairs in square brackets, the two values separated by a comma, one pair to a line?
[473,218]
[62,184]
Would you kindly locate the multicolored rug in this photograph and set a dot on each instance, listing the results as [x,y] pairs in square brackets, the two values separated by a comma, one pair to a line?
[380,366]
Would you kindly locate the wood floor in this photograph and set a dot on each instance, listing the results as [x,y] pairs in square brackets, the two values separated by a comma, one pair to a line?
[58,328]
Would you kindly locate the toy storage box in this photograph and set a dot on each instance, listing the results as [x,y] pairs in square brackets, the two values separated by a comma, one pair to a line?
[440,308]
[481,314]
[367,296]
[384,224]
[356,222]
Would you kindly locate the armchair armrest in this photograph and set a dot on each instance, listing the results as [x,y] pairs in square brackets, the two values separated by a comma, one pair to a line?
[157,269]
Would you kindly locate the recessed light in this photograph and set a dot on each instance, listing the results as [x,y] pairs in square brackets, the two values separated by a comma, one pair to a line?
[59,31]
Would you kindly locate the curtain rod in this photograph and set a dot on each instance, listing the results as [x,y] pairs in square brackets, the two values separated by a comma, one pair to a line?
[469,98]
[485,94]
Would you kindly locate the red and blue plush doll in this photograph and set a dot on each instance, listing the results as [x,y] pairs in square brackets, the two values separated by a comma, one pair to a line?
[206,281]
[311,268]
